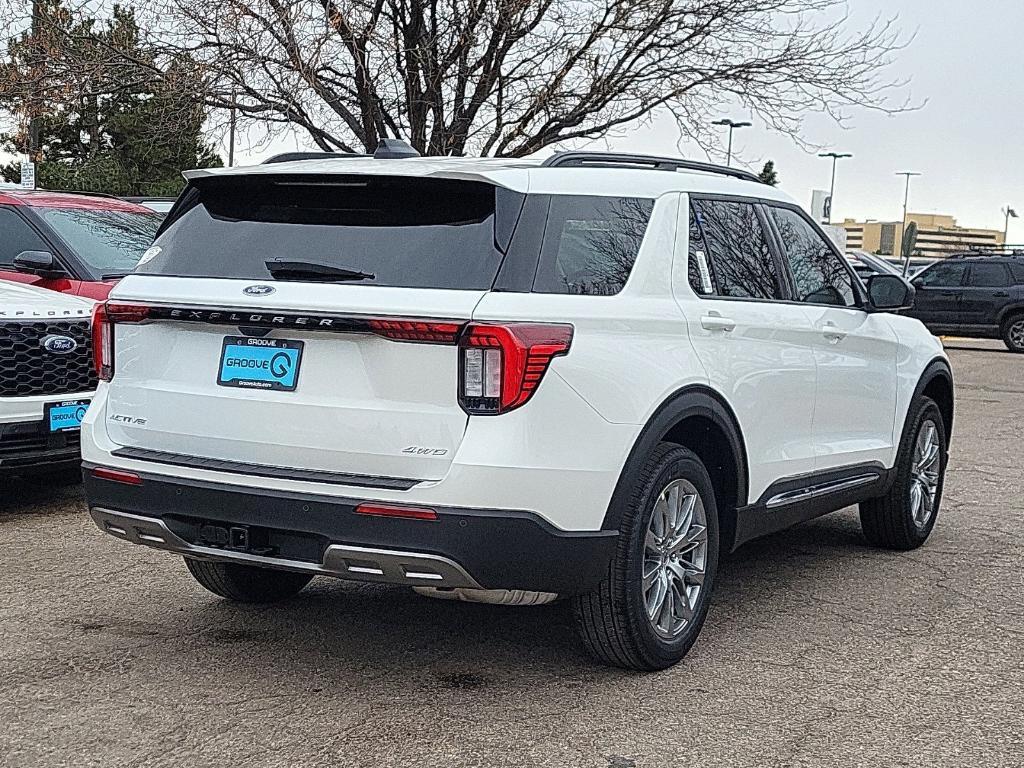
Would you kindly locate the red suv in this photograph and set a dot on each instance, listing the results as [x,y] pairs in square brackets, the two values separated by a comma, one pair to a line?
[70,242]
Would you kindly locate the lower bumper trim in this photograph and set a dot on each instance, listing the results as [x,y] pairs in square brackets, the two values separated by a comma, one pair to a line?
[340,561]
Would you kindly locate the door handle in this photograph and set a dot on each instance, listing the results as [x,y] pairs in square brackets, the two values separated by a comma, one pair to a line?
[833,332]
[1001,295]
[713,321]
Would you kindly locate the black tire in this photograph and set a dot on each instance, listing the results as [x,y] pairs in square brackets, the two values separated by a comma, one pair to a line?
[888,521]
[612,620]
[246,583]
[1013,333]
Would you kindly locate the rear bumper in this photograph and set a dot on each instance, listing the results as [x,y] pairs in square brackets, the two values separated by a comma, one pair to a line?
[478,548]
[27,447]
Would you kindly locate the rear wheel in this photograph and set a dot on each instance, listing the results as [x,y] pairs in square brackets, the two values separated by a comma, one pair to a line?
[246,583]
[649,610]
[1013,333]
[905,516]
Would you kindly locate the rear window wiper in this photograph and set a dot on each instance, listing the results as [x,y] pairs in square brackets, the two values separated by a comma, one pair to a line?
[114,275]
[314,272]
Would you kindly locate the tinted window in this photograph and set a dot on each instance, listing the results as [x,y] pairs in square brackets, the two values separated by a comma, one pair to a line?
[1017,270]
[407,232]
[109,242]
[590,243]
[819,274]
[739,257]
[991,275]
[948,274]
[16,236]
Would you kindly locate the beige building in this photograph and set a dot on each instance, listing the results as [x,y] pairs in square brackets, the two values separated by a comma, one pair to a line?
[937,236]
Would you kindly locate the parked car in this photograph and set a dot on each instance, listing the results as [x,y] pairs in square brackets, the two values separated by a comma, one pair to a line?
[866,264]
[47,379]
[915,265]
[161,205]
[979,295]
[506,380]
[69,242]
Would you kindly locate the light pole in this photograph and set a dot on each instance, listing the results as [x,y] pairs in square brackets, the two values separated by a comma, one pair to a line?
[903,229]
[832,188]
[1009,213]
[732,126]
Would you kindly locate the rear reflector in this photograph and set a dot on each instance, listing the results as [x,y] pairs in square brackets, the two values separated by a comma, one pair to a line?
[501,366]
[116,476]
[387,510]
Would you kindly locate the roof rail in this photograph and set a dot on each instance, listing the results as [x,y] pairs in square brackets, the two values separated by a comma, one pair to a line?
[986,252]
[288,157]
[584,159]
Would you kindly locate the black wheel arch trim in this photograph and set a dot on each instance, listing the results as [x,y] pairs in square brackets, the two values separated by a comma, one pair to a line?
[1010,310]
[937,368]
[692,400]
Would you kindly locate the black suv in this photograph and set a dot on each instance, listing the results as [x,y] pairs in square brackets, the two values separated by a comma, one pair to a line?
[980,294]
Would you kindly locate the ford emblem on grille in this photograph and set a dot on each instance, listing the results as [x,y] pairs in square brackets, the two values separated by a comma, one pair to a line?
[59,345]
[258,290]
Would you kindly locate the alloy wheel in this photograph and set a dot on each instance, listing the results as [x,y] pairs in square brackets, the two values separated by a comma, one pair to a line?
[924,474]
[675,558]
[1016,334]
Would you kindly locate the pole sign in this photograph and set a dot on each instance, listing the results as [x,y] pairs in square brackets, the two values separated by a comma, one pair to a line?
[28,174]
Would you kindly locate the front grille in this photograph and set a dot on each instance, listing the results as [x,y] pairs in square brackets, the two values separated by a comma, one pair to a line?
[26,368]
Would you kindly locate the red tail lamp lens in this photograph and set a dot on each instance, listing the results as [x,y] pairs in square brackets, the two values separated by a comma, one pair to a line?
[501,365]
[104,316]
[427,331]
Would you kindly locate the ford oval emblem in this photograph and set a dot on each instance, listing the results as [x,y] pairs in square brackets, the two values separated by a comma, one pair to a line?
[258,290]
[59,345]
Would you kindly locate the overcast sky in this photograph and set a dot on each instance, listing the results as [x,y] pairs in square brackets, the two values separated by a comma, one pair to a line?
[967,140]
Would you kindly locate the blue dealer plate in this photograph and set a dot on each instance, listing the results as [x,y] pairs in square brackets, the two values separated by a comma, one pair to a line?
[65,415]
[260,363]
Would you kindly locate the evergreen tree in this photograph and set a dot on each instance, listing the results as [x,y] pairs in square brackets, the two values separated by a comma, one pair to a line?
[768,175]
[102,128]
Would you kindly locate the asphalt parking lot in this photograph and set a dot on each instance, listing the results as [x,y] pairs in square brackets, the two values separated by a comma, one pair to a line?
[818,650]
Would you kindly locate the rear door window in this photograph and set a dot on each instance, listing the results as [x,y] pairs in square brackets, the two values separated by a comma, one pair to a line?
[990,275]
[591,243]
[732,249]
[1017,270]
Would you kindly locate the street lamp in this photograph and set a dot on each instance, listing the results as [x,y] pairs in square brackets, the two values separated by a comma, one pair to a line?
[732,126]
[903,229]
[1009,213]
[832,188]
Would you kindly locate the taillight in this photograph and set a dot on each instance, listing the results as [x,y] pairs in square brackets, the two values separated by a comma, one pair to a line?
[429,331]
[501,366]
[104,316]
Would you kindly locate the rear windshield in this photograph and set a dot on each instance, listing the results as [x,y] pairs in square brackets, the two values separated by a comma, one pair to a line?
[108,242]
[403,232]
[415,233]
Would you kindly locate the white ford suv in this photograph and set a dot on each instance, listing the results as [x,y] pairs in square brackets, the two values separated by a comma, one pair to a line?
[46,379]
[506,380]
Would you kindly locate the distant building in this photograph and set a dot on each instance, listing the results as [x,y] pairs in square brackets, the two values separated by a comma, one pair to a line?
[937,236]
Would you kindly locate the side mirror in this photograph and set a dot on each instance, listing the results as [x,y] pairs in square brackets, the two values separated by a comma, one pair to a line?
[889,293]
[39,263]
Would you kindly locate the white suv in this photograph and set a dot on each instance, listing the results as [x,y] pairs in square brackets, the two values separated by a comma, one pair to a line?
[506,380]
[46,379]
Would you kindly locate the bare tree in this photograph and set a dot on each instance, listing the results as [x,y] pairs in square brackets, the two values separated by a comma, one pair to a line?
[509,77]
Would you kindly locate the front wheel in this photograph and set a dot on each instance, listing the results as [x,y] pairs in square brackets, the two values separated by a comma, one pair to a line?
[650,608]
[904,517]
[246,583]
[1013,333]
